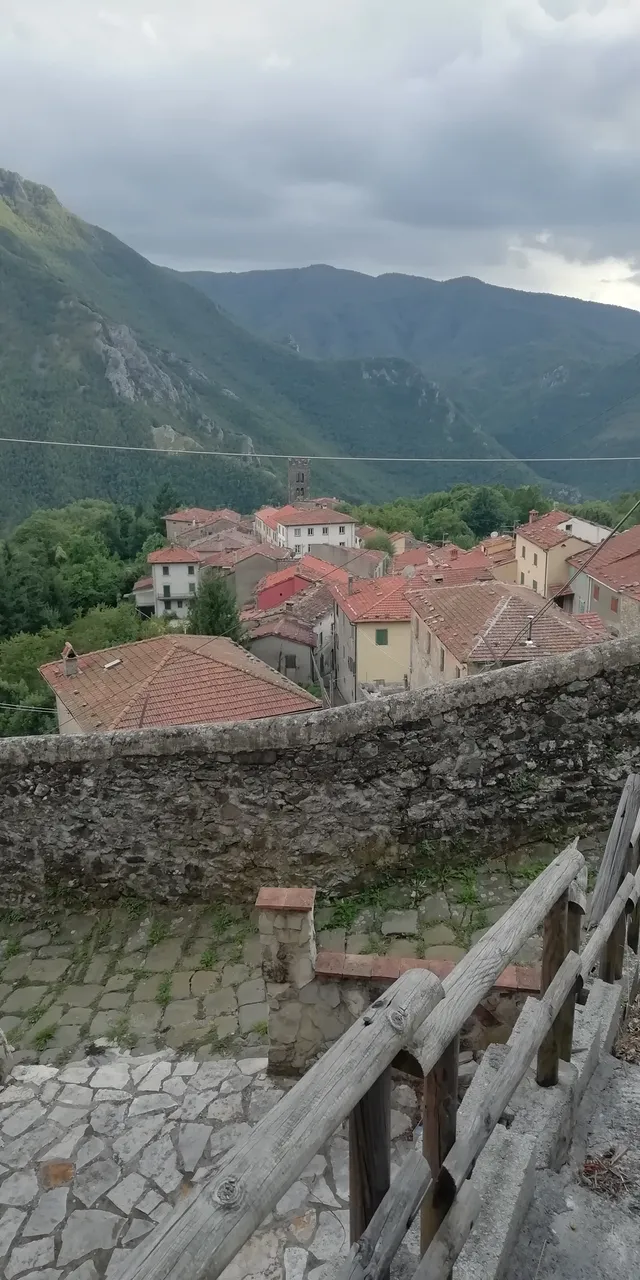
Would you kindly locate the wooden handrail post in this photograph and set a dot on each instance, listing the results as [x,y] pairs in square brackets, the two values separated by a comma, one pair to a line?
[633,929]
[369,1154]
[612,959]
[576,908]
[439,1131]
[554,950]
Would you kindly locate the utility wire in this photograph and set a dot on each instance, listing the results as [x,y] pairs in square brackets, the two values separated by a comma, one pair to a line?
[552,599]
[313,457]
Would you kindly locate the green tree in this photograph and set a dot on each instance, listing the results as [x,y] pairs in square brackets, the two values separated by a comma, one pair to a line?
[213,610]
[599,512]
[487,511]
[23,712]
[379,542]
[166,500]
[446,525]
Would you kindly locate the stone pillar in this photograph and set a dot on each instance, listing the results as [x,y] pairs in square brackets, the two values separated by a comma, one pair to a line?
[288,942]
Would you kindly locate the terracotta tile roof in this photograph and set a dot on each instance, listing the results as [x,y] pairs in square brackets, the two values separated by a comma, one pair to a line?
[375,600]
[367,531]
[201,515]
[616,564]
[286,626]
[311,516]
[307,606]
[449,575]
[173,555]
[143,584]
[267,515]
[543,532]
[442,557]
[309,567]
[478,622]
[173,679]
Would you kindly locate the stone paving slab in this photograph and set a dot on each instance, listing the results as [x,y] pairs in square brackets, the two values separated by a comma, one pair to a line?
[107,1146]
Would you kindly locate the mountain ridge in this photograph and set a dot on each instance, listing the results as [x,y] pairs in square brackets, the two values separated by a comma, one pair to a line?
[99,345]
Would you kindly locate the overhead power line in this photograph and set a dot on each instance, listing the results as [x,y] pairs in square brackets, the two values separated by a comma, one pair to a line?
[313,457]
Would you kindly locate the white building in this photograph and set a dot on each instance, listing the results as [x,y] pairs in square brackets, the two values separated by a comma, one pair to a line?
[299,528]
[175,572]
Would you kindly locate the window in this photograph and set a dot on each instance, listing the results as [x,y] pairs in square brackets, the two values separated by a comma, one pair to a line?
[523,553]
[311,532]
[297,548]
[521,579]
[342,544]
[614,604]
[297,533]
[428,642]
[191,570]
[342,528]
[596,592]
[535,557]
[301,477]
[568,528]
[165,571]
[534,585]
[179,604]
[457,673]
[290,661]
[167,606]
[166,591]
[192,588]
[382,636]
[441,659]
[325,531]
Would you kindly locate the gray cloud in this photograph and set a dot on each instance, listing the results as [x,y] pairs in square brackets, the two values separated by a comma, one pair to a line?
[366,134]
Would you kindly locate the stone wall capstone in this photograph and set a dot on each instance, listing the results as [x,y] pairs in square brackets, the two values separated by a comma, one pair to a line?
[336,798]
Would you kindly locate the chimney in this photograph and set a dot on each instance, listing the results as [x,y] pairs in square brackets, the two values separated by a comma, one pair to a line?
[289,606]
[533,515]
[454,553]
[69,660]
[349,585]
[529,639]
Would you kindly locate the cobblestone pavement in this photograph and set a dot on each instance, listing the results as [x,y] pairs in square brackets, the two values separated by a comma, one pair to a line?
[94,1154]
[190,977]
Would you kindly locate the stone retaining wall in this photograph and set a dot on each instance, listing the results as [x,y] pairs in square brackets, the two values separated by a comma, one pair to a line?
[315,996]
[337,798]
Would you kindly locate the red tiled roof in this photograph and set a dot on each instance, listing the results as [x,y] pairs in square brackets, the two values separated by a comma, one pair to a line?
[449,575]
[143,584]
[375,600]
[616,564]
[543,532]
[309,567]
[173,679]
[201,515]
[289,628]
[267,515]
[307,606]
[173,555]
[480,621]
[311,516]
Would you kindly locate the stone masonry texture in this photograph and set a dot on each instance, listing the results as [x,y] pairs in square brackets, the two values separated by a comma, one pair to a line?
[333,799]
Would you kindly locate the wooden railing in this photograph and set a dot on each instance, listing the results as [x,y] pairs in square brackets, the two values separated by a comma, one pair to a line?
[415,1024]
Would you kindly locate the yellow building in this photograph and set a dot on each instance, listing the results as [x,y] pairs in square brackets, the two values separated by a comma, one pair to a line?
[372,634]
[544,545]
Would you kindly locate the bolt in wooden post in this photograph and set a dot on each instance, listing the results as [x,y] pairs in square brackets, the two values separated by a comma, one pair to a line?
[439,1131]
[554,950]
[369,1154]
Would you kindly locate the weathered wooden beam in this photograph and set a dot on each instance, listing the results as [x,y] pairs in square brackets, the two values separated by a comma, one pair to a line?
[371,1256]
[627,893]
[438,1128]
[475,975]
[614,860]
[576,908]
[208,1228]
[554,950]
[369,1153]
[451,1236]
[524,1042]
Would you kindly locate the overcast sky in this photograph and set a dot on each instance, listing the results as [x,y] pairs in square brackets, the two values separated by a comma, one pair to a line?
[497,138]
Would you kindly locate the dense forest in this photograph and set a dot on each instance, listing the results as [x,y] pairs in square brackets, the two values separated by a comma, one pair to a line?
[467,513]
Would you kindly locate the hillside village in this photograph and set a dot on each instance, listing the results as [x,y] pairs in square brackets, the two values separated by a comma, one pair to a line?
[333,611]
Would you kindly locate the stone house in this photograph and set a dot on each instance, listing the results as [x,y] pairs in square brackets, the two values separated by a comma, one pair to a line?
[458,631]
[168,680]
[298,528]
